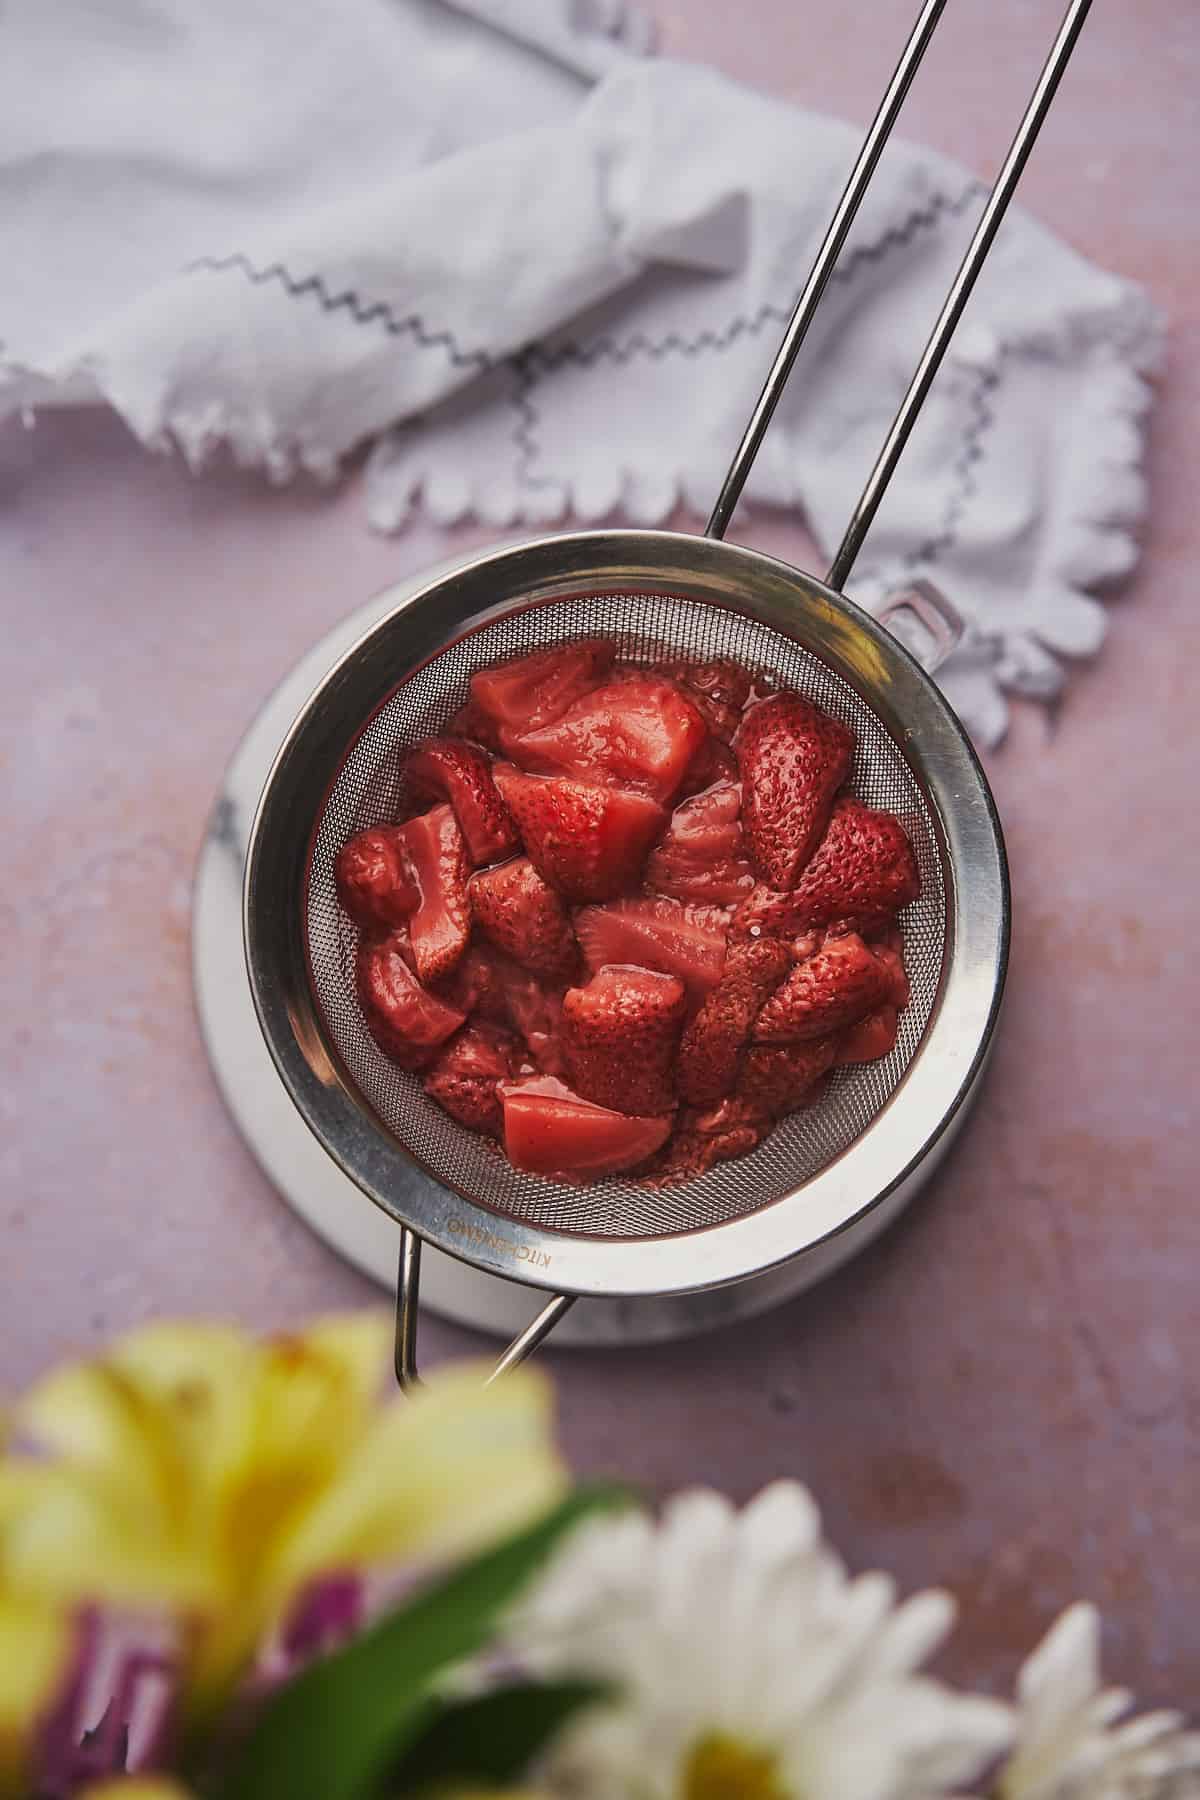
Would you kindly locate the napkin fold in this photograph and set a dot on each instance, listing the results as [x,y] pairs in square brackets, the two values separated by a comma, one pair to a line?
[544,273]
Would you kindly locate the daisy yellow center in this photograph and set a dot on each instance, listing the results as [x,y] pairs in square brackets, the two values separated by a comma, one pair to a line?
[723,1768]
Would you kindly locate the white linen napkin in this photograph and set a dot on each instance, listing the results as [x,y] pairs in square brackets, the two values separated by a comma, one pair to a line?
[546,272]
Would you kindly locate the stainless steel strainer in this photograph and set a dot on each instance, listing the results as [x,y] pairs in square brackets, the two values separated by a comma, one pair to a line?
[660,596]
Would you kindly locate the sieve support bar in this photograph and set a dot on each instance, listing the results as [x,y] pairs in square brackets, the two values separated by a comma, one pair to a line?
[960,291]
[535,1333]
[831,248]
[408,1293]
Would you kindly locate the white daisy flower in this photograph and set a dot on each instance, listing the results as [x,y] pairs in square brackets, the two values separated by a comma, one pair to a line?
[747,1665]
[1070,1744]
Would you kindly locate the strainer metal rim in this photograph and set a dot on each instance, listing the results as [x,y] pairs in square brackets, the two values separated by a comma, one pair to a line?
[904,698]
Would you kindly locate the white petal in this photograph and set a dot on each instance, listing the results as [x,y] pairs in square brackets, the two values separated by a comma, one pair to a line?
[912,1634]
[1064,1671]
[782,1521]
[1107,1706]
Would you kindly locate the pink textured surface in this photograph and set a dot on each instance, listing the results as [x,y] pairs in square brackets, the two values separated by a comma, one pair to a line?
[1003,1395]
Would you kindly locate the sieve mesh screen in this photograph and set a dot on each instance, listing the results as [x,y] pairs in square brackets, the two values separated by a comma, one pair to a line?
[648,628]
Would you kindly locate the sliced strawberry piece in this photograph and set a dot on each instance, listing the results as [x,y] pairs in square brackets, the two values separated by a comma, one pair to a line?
[637,731]
[701,1139]
[620,1036]
[515,908]
[721,690]
[713,689]
[719,678]
[548,1130]
[470,721]
[406,1021]
[871,1038]
[793,760]
[534,1010]
[702,856]
[888,950]
[712,1044]
[441,925]
[461,773]
[464,1078]
[721,718]
[477,984]
[667,935]
[781,1077]
[862,873]
[495,988]
[374,877]
[588,842]
[839,984]
[534,690]
[713,762]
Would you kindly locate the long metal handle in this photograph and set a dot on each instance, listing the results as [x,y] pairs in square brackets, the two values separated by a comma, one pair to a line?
[960,290]
[822,269]
[408,1288]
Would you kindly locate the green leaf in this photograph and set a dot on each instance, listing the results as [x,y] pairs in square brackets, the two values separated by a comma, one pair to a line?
[490,1741]
[331,1733]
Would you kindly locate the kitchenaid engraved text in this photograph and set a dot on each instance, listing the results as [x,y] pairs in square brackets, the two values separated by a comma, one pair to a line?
[476,1234]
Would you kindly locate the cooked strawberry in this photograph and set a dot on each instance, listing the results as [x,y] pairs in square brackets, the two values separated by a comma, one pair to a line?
[721,718]
[441,924]
[638,730]
[713,1043]
[461,773]
[719,678]
[713,762]
[721,691]
[588,842]
[732,1114]
[667,935]
[702,856]
[781,1077]
[838,984]
[533,1007]
[375,880]
[470,721]
[477,984]
[786,959]
[548,1130]
[620,1035]
[406,1021]
[871,1038]
[701,1139]
[495,989]
[888,949]
[864,871]
[793,759]
[513,906]
[463,1080]
[534,690]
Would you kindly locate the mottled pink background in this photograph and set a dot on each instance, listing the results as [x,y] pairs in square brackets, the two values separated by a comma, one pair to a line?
[1003,1395]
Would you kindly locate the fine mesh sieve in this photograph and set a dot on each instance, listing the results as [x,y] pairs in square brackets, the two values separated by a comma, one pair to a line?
[866,1146]
[367,791]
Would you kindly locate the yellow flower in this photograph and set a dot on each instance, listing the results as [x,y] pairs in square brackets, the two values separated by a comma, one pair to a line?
[34,1644]
[137,1787]
[34,1647]
[162,1787]
[196,1468]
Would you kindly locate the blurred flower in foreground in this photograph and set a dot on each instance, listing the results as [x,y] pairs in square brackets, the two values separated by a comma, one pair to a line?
[201,1471]
[34,1647]
[35,1643]
[750,1667]
[161,1787]
[137,1787]
[1070,1744]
